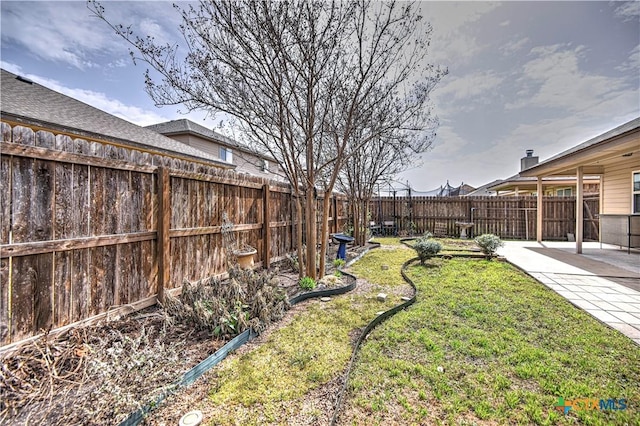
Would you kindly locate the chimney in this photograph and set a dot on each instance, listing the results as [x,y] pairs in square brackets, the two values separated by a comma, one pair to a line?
[528,161]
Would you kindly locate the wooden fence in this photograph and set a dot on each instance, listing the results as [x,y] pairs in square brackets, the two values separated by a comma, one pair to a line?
[86,227]
[508,217]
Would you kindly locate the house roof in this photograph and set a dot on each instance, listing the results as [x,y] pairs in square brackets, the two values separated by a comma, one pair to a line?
[531,181]
[27,102]
[608,145]
[186,126]
[484,189]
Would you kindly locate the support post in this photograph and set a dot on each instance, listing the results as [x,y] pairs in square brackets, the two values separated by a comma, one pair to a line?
[579,209]
[164,222]
[266,235]
[539,210]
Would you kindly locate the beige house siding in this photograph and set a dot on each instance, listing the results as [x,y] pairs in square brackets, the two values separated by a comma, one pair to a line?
[199,143]
[248,163]
[617,186]
[245,162]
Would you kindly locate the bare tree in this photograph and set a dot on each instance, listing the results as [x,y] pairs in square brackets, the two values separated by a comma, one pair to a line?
[383,95]
[299,77]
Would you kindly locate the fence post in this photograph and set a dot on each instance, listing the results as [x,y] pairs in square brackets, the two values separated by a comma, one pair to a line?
[335,214]
[164,220]
[266,255]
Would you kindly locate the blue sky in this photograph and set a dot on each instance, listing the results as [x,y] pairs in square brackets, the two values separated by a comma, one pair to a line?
[522,75]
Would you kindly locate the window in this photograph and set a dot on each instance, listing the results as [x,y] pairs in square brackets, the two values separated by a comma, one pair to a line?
[265,165]
[635,193]
[226,154]
[565,192]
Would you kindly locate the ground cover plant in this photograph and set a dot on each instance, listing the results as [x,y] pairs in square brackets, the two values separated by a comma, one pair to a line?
[486,344]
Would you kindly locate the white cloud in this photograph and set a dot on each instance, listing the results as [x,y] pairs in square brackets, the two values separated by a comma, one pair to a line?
[467,87]
[628,11]
[632,63]
[505,23]
[68,33]
[554,79]
[514,45]
[151,28]
[59,34]
[98,100]
[452,41]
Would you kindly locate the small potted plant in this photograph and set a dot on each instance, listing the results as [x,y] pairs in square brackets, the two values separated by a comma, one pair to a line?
[243,254]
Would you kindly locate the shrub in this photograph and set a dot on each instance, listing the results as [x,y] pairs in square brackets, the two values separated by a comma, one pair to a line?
[307,283]
[337,263]
[227,308]
[426,248]
[489,243]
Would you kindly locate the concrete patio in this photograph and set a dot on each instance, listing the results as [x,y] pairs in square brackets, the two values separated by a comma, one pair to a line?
[603,281]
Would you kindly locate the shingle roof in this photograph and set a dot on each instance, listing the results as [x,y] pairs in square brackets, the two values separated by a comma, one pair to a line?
[32,103]
[184,125]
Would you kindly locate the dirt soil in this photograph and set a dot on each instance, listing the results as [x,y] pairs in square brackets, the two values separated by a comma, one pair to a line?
[100,373]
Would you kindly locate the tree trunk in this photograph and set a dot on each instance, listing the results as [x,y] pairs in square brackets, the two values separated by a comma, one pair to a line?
[301,262]
[311,232]
[325,233]
[356,222]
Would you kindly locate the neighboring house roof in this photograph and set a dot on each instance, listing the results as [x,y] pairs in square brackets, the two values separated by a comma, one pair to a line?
[607,145]
[27,102]
[484,189]
[185,126]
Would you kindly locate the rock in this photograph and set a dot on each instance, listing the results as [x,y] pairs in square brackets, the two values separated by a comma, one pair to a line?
[325,299]
[405,298]
[382,297]
[385,267]
[379,313]
[440,369]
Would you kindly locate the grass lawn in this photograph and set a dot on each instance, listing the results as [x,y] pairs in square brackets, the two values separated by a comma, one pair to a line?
[270,384]
[487,344]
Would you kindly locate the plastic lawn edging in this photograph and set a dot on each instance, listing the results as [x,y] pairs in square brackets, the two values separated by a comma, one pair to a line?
[192,375]
[196,372]
[324,292]
[377,320]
